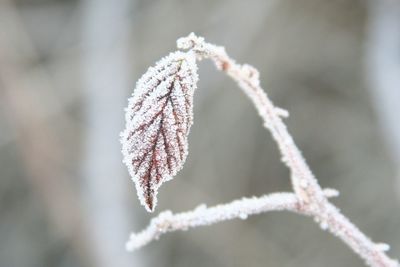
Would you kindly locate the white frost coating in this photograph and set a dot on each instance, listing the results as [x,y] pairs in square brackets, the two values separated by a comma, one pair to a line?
[330,192]
[282,112]
[303,183]
[324,226]
[158,120]
[382,247]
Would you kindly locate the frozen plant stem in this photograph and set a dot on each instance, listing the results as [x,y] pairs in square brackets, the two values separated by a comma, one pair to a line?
[308,197]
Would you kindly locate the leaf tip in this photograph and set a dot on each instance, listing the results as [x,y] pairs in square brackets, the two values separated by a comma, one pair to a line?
[149,204]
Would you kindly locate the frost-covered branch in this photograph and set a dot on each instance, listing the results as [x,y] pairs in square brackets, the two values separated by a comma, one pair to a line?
[308,198]
[201,216]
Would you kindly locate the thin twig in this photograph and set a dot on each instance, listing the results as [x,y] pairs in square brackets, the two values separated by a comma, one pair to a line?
[308,198]
[168,222]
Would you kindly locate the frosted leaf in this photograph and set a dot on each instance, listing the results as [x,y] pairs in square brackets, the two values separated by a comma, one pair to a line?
[158,120]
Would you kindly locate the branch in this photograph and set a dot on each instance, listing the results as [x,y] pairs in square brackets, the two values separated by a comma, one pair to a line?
[308,197]
[201,216]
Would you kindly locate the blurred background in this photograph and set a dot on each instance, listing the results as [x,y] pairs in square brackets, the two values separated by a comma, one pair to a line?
[67,68]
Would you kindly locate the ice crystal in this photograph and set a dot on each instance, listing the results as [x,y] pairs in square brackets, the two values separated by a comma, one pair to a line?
[382,247]
[158,120]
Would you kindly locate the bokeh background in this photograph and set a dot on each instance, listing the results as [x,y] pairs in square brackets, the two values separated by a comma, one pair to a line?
[68,66]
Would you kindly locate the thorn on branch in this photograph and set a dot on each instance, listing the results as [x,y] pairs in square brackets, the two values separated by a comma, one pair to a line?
[382,247]
[283,113]
[330,192]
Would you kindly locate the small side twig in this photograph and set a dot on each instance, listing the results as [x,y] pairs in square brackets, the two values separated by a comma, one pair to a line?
[308,197]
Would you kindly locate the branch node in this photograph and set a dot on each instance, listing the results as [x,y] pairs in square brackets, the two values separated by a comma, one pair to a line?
[189,41]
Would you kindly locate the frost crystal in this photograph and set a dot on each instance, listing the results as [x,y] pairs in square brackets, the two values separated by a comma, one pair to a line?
[382,247]
[158,120]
